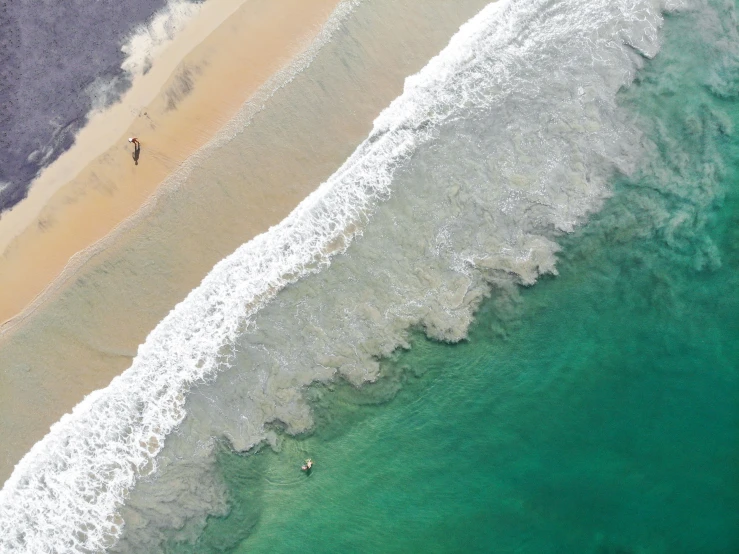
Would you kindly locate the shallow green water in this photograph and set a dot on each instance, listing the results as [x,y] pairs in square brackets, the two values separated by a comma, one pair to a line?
[597,411]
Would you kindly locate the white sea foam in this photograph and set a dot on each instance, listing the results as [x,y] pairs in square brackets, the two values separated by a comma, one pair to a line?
[142,46]
[66,493]
[149,39]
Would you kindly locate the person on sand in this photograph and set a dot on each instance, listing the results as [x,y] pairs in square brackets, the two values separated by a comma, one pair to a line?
[308,465]
[136,149]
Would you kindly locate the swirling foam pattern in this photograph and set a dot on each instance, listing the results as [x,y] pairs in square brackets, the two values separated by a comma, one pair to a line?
[524,94]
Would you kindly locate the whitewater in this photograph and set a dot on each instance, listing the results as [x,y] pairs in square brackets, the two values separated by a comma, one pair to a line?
[504,141]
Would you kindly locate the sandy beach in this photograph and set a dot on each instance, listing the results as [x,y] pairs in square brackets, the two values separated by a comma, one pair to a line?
[174,109]
[86,195]
[85,328]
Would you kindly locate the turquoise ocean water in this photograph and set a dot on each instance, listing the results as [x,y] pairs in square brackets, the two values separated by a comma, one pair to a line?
[507,322]
[596,411]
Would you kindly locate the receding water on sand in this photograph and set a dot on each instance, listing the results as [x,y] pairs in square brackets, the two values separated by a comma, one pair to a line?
[63,61]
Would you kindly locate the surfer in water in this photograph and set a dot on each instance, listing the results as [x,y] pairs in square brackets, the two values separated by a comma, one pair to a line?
[308,465]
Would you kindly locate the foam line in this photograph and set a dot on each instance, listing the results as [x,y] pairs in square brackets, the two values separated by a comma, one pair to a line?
[65,494]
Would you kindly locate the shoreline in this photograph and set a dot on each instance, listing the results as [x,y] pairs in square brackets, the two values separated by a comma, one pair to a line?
[290,137]
[175,109]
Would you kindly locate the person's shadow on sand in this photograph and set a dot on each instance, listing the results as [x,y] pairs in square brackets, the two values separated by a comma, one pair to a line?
[136,153]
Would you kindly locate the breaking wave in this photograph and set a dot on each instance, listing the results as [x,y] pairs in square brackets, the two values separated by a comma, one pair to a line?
[505,140]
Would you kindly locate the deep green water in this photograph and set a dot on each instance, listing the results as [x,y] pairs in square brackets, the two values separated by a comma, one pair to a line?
[597,411]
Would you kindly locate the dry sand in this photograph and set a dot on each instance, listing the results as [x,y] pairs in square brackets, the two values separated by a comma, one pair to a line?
[174,109]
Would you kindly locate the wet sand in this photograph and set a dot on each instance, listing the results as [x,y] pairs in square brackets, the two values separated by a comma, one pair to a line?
[174,109]
[87,328]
